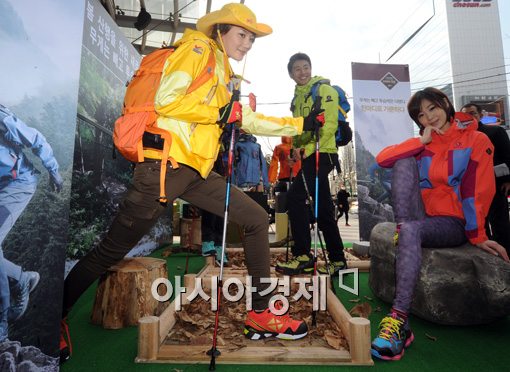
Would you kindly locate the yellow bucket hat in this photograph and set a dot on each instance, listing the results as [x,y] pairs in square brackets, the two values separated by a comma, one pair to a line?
[233,14]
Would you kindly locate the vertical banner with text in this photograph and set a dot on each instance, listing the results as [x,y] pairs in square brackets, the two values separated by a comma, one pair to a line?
[107,64]
[380,94]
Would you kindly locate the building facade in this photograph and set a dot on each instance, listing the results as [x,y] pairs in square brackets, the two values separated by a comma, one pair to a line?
[456,46]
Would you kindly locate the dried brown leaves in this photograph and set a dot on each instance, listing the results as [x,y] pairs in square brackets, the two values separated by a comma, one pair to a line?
[195,324]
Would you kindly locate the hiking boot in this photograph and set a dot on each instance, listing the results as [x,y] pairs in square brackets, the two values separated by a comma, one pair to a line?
[66,348]
[334,268]
[297,265]
[208,249]
[395,335]
[260,325]
[218,256]
[20,294]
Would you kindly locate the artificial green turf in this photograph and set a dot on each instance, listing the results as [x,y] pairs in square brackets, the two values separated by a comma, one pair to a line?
[475,348]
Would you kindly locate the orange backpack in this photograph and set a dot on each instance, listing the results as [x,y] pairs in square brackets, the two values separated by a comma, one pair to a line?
[139,115]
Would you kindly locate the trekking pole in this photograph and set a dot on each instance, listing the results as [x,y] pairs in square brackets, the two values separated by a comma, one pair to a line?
[214,352]
[288,220]
[317,104]
[316,214]
[310,202]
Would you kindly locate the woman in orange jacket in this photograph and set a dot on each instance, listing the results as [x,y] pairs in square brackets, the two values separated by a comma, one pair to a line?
[442,187]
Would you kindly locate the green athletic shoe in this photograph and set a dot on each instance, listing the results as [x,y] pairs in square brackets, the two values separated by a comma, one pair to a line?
[296,266]
[334,268]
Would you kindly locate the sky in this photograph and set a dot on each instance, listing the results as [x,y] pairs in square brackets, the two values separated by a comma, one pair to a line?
[333,33]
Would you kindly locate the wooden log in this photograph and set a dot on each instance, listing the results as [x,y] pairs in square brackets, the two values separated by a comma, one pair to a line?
[359,342]
[148,338]
[191,232]
[124,292]
[256,354]
[167,321]
[339,313]
[362,265]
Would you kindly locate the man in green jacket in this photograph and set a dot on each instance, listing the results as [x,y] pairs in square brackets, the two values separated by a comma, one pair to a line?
[300,70]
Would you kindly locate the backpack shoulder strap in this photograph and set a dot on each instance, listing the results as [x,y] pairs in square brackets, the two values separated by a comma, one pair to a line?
[314,90]
[293,104]
[206,74]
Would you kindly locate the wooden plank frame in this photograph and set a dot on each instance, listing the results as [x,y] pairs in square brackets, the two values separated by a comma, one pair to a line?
[152,332]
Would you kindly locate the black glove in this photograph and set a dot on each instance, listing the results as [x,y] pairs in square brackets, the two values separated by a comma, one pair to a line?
[232,112]
[313,121]
[56,182]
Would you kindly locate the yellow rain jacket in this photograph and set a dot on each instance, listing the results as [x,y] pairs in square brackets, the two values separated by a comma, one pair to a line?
[191,118]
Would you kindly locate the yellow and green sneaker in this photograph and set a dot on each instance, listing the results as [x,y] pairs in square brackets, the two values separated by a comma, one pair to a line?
[296,266]
[334,268]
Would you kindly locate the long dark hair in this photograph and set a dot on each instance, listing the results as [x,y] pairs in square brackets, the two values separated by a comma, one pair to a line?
[435,96]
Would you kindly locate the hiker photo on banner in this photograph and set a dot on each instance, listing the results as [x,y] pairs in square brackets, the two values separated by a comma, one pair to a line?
[38,98]
[380,93]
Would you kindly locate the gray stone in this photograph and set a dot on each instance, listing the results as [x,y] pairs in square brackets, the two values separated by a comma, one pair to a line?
[361,248]
[458,286]
[11,347]
[14,357]
[7,362]
[28,366]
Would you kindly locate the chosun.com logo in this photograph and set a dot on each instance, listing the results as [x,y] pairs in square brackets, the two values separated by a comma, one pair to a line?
[471,3]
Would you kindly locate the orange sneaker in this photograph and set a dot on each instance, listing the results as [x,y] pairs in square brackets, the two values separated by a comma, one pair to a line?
[266,324]
[65,342]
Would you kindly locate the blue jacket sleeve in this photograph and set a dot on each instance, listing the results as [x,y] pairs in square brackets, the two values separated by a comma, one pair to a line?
[22,135]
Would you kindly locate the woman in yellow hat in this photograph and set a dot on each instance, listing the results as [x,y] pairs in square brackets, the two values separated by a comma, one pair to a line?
[195,121]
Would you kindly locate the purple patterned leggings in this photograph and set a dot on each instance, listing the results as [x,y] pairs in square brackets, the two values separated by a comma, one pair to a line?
[417,230]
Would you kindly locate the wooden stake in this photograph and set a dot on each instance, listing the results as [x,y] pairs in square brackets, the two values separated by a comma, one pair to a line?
[359,342]
[148,338]
[339,313]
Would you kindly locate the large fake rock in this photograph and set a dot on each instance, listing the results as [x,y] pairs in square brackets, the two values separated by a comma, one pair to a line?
[456,286]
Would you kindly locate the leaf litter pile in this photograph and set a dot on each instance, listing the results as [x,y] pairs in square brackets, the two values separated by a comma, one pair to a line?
[195,325]
[236,258]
